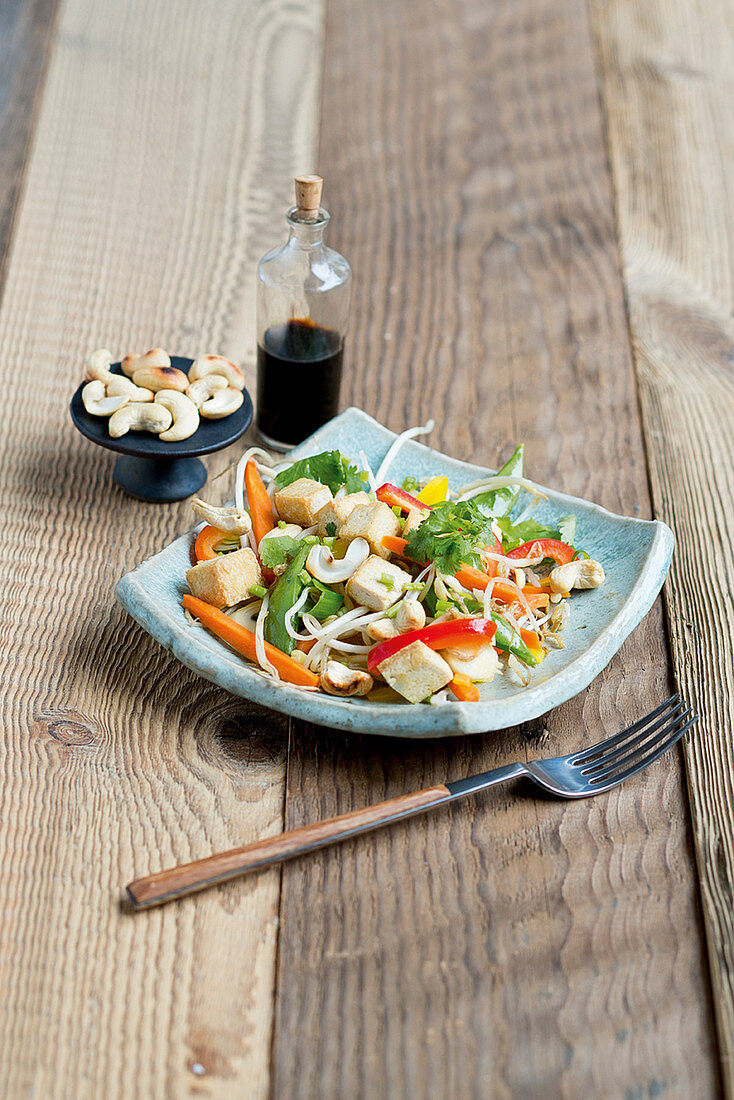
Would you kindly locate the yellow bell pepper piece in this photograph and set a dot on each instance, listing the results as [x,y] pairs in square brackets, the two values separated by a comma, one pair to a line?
[435,491]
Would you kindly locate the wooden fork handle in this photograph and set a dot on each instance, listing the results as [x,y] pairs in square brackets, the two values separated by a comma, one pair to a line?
[190,877]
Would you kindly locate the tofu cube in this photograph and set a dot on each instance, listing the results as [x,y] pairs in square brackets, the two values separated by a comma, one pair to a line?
[338,511]
[416,671]
[301,501]
[367,584]
[225,580]
[413,521]
[371,522]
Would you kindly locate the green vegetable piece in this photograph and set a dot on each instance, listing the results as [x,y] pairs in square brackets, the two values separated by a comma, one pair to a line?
[329,468]
[279,550]
[515,534]
[567,529]
[328,601]
[288,590]
[451,535]
[387,581]
[508,639]
[258,590]
[411,485]
[331,529]
[499,502]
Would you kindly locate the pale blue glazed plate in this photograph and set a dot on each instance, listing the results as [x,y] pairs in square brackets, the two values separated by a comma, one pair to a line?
[635,554]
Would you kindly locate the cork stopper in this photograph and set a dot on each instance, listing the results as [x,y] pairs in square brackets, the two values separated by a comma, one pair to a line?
[308,197]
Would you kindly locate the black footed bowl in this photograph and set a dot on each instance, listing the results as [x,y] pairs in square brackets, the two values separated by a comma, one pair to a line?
[150,469]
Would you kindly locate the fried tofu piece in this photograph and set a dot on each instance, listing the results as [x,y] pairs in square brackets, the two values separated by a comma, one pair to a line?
[371,522]
[301,501]
[225,580]
[416,672]
[413,520]
[338,511]
[367,584]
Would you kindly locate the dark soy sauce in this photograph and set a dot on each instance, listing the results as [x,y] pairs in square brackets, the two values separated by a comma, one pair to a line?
[299,370]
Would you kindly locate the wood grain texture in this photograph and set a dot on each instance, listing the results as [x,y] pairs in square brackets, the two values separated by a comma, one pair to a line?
[161,165]
[667,92]
[503,946]
[25,29]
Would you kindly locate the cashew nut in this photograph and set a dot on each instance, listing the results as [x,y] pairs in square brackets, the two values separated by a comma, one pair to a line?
[582,573]
[184,412]
[95,402]
[156,357]
[204,388]
[217,364]
[337,679]
[233,521]
[161,378]
[224,403]
[98,366]
[291,529]
[140,416]
[411,616]
[381,630]
[118,384]
[322,564]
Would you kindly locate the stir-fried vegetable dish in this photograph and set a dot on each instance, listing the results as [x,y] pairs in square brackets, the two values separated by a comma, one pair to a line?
[329,578]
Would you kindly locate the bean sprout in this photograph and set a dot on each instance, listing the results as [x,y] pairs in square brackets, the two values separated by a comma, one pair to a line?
[410,433]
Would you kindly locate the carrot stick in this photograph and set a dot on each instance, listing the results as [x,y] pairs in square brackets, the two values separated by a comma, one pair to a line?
[243,641]
[395,545]
[463,688]
[261,510]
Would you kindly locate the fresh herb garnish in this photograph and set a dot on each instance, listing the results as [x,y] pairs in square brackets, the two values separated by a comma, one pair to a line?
[499,502]
[331,529]
[329,468]
[451,535]
[278,550]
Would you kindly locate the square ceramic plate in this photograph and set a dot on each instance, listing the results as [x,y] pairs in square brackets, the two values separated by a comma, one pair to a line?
[635,554]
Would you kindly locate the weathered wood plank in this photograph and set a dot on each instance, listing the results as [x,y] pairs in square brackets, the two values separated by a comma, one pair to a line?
[666,71]
[163,153]
[505,947]
[25,28]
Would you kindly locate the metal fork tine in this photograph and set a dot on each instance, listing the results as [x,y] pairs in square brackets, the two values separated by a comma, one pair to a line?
[618,751]
[601,746]
[612,766]
[614,778]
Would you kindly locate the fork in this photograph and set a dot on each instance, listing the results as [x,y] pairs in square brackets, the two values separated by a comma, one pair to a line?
[590,771]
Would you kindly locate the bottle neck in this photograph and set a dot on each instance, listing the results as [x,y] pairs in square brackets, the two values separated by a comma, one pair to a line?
[307,235]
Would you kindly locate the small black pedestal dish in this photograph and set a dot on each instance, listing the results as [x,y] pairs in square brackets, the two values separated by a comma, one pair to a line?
[150,469]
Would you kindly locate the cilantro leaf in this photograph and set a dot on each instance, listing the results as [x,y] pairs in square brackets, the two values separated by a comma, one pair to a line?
[451,535]
[515,534]
[328,468]
[499,502]
[278,550]
[567,529]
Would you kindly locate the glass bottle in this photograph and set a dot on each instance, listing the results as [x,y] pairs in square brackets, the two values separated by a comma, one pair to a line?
[303,291]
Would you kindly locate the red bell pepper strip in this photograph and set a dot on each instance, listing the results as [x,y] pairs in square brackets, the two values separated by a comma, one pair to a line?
[436,636]
[398,498]
[207,541]
[560,552]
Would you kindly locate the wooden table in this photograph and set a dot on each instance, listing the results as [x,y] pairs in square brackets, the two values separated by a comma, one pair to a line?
[535,199]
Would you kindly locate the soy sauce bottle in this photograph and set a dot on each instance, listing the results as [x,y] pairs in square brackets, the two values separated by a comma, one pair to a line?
[303,291]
